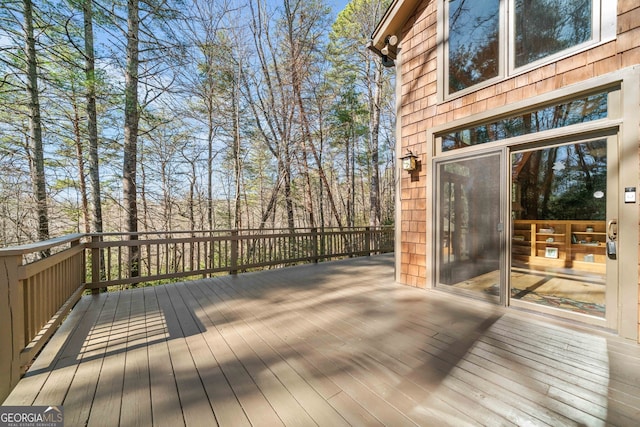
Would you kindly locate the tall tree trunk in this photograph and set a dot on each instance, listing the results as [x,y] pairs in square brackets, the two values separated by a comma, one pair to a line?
[141,187]
[236,151]
[284,164]
[167,220]
[92,125]
[192,192]
[351,177]
[92,117]
[316,156]
[131,133]
[80,165]
[374,136]
[210,156]
[296,82]
[35,127]
[307,176]
[279,126]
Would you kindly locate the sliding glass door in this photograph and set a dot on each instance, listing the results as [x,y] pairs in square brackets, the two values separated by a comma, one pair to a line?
[564,229]
[548,245]
[469,234]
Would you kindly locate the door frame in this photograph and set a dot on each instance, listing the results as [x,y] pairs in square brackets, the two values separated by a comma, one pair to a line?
[610,320]
[501,152]
[623,118]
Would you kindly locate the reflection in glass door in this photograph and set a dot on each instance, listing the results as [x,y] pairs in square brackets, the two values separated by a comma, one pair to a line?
[469,223]
[559,228]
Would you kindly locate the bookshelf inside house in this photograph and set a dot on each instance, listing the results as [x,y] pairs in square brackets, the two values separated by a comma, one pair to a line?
[544,244]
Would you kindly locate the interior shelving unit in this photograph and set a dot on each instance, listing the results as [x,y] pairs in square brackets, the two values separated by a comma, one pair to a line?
[579,245]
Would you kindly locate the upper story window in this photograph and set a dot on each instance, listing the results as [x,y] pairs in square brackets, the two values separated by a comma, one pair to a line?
[546,27]
[490,39]
[474,42]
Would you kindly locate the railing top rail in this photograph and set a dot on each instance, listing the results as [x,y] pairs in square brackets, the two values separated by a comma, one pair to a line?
[40,246]
[57,241]
[244,231]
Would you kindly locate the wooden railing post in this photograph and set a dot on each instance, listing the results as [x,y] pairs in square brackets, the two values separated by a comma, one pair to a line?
[134,259]
[233,267]
[95,262]
[314,245]
[12,321]
[367,240]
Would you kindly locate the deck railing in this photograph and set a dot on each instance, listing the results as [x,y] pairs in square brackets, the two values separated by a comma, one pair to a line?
[36,293]
[34,299]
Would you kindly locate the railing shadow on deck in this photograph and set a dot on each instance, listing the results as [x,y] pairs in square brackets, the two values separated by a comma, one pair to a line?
[37,291]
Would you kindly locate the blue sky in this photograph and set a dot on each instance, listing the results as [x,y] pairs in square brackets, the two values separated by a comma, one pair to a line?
[337,5]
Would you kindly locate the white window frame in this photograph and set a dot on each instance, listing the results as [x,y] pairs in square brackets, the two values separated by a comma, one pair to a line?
[603,31]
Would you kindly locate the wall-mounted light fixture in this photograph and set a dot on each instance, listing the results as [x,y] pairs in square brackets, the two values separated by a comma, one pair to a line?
[390,40]
[409,161]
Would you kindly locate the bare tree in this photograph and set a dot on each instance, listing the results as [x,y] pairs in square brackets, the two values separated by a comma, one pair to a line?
[76,120]
[270,104]
[131,118]
[203,31]
[35,125]
[92,116]
[350,32]
[302,36]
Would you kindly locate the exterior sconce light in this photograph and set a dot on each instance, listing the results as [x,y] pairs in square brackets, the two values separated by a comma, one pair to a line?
[409,161]
[390,40]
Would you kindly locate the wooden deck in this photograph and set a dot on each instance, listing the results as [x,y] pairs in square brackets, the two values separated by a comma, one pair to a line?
[332,344]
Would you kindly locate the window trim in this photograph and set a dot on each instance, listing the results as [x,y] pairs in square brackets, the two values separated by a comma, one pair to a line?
[604,30]
[539,109]
[501,48]
[608,83]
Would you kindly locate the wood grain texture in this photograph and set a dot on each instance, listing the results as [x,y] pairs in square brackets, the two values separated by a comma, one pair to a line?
[338,343]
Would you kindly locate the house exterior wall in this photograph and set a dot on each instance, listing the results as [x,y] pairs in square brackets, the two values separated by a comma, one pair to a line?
[420,108]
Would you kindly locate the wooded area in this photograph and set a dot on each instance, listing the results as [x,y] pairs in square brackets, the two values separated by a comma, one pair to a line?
[168,115]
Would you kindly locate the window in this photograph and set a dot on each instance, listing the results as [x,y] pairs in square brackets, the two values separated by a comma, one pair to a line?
[581,110]
[546,27]
[474,52]
[483,44]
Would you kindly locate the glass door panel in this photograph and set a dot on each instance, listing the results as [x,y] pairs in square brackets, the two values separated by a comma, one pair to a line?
[469,222]
[559,216]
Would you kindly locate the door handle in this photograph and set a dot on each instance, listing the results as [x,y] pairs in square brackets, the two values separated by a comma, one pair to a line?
[612,229]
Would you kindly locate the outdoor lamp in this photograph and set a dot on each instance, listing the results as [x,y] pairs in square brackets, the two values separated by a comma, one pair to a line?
[409,161]
[390,40]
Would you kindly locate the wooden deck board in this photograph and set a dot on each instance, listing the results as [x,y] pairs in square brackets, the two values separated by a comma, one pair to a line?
[283,402]
[359,362]
[224,402]
[79,399]
[166,409]
[310,400]
[196,408]
[329,344]
[256,407]
[108,396]
[136,390]
[313,351]
[294,354]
